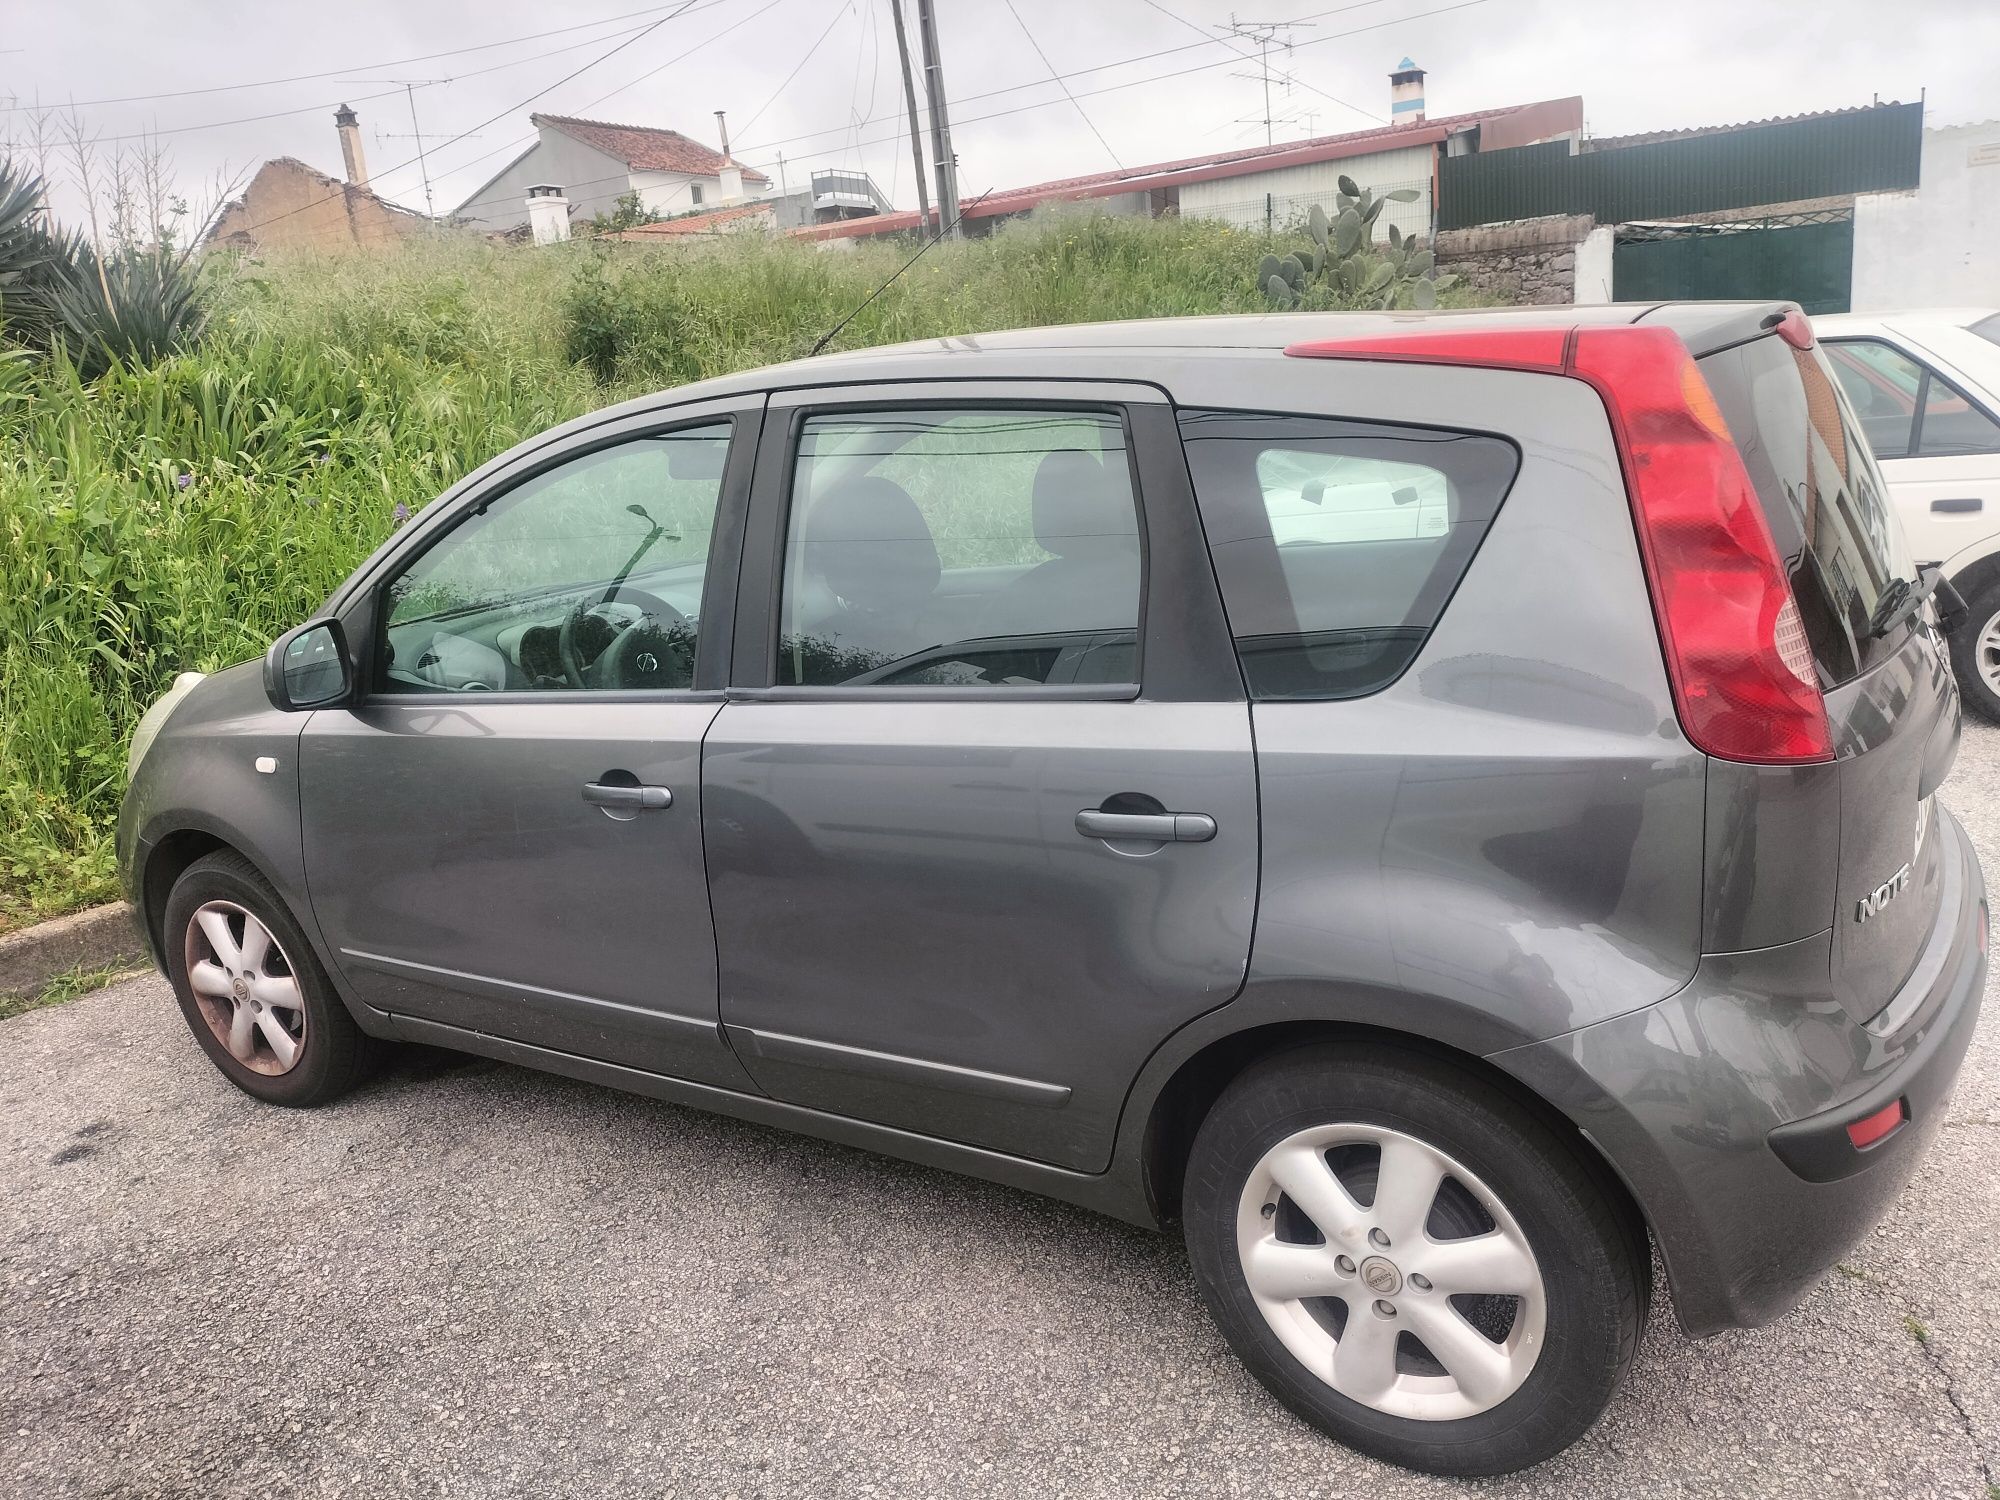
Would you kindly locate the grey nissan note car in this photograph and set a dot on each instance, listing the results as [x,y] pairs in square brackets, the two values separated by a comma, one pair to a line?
[1435,804]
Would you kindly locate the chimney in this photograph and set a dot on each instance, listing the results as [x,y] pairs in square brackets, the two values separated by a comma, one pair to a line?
[349,125]
[730,186]
[1406,94]
[548,214]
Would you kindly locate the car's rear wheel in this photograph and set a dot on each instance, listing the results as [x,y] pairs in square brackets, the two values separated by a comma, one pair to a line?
[1975,651]
[254,995]
[1412,1261]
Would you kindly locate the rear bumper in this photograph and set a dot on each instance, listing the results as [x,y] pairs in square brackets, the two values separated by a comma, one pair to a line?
[1725,1107]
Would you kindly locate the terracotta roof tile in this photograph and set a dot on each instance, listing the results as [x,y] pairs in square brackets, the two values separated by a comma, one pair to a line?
[645,149]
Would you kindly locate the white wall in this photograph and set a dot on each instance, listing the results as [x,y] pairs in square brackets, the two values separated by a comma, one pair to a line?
[590,180]
[1593,265]
[1293,190]
[1938,246]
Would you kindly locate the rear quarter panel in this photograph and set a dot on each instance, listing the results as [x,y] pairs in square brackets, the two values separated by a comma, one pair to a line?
[1506,843]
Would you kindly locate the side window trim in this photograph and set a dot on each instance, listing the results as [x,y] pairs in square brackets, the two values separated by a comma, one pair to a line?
[753,674]
[361,611]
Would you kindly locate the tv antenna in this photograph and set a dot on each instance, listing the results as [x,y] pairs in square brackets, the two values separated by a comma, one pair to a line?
[1264,36]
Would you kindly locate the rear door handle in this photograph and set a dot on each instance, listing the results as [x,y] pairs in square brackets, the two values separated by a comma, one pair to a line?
[1965,506]
[634,798]
[1158,828]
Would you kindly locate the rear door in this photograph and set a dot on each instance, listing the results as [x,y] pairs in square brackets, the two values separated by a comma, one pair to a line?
[980,812]
[1935,435]
[1889,690]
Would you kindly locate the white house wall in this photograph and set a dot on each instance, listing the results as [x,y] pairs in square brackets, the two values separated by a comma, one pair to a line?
[592,181]
[1291,191]
[1939,245]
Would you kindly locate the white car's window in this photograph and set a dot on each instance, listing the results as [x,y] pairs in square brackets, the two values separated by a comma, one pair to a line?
[1334,497]
[1907,409]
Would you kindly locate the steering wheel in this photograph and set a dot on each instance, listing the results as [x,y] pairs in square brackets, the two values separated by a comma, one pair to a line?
[650,652]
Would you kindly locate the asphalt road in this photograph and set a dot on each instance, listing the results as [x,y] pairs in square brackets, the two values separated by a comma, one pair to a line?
[469,1280]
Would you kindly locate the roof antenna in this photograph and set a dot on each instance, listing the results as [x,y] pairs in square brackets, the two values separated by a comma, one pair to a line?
[922,250]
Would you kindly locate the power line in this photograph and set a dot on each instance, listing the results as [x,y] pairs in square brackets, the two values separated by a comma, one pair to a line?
[575,73]
[1057,79]
[838,16]
[1112,88]
[224,88]
[1290,78]
[1085,94]
[1105,67]
[148,135]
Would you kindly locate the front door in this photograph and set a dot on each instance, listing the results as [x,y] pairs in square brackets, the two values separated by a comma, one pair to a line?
[505,834]
[981,812]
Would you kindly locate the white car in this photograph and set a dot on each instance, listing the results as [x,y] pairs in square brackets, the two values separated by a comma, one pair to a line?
[1926,386]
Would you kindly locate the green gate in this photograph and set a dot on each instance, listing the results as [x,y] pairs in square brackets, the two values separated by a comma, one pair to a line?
[1807,259]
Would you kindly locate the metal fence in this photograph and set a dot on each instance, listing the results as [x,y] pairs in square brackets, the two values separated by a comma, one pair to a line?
[1860,151]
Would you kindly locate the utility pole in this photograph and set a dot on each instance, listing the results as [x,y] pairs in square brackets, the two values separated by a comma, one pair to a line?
[941,153]
[910,104]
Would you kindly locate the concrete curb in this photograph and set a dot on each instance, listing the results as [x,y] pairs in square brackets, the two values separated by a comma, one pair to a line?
[92,939]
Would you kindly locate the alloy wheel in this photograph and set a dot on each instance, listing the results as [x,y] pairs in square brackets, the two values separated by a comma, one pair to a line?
[1986,653]
[1391,1272]
[246,988]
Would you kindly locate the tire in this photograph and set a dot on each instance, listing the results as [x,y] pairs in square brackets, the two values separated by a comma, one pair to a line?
[1547,1219]
[1982,613]
[257,995]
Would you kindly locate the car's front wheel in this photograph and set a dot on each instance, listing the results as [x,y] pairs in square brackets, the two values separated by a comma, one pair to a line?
[253,993]
[1412,1261]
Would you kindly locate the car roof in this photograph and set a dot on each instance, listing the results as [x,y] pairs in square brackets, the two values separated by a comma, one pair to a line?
[1929,317]
[1704,326]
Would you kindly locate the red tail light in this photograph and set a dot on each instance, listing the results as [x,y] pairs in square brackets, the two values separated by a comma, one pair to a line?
[1885,1121]
[1736,648]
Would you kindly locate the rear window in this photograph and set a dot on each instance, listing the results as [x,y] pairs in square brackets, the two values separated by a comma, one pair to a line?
[1336,543]
[1988,329]
[1822,494]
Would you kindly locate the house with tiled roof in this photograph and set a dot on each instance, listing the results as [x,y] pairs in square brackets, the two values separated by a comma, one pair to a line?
[1271,186]
[596,162]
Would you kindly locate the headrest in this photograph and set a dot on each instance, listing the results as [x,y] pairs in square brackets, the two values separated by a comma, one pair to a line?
[869,541]
[1083,508]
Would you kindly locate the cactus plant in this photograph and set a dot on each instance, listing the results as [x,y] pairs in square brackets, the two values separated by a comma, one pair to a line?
[1345,266]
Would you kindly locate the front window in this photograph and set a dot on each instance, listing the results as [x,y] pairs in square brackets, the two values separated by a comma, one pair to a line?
[955,547]
[587,576]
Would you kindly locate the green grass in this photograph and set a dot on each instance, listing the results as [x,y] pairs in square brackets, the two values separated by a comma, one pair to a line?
[67,986]
[180,516]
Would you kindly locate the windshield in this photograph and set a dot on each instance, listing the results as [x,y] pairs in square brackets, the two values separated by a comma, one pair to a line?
[1987,328]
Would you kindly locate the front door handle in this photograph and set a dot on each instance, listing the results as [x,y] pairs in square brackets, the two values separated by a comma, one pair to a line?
[1157,828]
[627,798]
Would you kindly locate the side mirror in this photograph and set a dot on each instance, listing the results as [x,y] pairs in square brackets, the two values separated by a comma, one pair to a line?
[308,667]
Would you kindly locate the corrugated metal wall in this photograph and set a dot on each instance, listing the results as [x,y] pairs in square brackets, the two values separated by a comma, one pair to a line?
[1864,151]
[1287,194]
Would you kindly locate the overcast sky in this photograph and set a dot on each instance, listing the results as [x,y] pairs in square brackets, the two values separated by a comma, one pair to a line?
[816,80]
